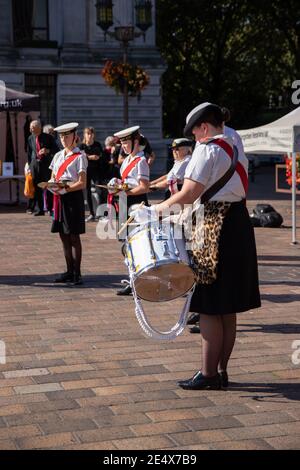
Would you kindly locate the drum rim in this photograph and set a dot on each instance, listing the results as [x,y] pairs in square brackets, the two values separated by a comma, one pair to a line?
[135,277]
[167,300]
[146,226]
[160,263]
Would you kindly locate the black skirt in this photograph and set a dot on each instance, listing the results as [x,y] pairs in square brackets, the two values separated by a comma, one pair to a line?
[71,214]
[236,288]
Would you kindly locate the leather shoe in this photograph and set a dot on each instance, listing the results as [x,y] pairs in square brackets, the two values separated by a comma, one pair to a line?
[195,329]
[39,213]
[224,378]
[77,280]
[193,318]
[64,278]
[200,382]
[125,291]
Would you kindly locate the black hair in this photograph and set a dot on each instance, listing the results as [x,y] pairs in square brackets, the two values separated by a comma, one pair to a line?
[226,114]
[215,117]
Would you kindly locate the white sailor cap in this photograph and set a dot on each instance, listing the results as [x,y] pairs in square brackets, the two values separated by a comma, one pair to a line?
[182,142]
[199,113]
[66,129]
[128,133]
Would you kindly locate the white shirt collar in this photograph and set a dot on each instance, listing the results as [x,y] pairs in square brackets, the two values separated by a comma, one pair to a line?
[75,150]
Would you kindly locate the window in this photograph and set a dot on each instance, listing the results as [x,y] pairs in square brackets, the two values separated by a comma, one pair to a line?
[43,85]
[30,21]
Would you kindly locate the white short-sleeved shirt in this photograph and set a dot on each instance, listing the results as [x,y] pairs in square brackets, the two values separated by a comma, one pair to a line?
[79,165]
[237,141]
[209,163]
[177,171]
[139,172]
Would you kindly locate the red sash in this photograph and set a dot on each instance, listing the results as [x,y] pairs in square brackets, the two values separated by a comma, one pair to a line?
[130,167]
[110,198]
[65,165]
[239,167]
[56,197]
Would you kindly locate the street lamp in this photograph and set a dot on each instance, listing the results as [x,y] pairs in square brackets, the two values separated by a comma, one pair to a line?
[143,14]
[104,14]
[124,34]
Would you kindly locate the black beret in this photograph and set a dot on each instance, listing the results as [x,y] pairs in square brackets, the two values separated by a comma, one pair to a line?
[199,113]
[182,142]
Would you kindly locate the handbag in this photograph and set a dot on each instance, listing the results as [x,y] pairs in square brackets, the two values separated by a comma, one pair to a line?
[29,186]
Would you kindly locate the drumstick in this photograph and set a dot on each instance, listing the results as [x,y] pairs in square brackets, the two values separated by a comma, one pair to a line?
[131,218]
[46,184]
[106,187]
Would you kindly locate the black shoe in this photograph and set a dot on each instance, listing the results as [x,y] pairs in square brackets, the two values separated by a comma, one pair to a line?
[200,382]
[64,278]
[77,280]
[193,318]
[188,380]
[39,213]
[224,378]
[125,291]
[195,329]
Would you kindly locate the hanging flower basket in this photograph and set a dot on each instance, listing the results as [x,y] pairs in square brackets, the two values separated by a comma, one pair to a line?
[288,165]
[117,74]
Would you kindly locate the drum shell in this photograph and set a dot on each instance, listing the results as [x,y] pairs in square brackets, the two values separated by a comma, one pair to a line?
[159,262]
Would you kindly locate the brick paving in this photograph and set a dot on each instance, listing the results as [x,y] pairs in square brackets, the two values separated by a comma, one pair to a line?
[81,375]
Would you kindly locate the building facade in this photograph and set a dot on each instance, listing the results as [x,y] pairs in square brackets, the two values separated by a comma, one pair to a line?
[54,48]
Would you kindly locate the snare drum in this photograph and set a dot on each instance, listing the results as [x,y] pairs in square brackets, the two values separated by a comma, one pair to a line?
[158,262]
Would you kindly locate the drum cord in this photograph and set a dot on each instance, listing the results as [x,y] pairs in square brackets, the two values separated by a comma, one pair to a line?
[148,329]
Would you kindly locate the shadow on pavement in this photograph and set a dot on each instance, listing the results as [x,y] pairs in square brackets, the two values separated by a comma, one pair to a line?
[289,391]
[279,281]
[102,281]
[277,258]
[282,328]
[281,298]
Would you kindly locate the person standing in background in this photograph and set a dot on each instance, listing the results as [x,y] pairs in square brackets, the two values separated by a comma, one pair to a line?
[97,171]
[112,150]
[40,151]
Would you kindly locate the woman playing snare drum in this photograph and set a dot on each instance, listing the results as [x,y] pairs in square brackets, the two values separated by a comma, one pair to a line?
[227,281]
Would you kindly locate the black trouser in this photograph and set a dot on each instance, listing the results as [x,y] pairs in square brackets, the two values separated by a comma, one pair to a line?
[93,177]
[39,198]
[41,173]
[31,204]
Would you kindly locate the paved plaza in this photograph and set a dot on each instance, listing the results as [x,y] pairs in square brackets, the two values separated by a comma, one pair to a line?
[80,374]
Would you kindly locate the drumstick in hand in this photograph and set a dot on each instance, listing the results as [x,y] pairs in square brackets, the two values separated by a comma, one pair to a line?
[131,218]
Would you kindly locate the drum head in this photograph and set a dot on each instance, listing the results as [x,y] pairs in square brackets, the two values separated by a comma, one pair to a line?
[166,282]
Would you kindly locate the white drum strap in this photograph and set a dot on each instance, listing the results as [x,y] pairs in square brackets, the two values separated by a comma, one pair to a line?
[148,329]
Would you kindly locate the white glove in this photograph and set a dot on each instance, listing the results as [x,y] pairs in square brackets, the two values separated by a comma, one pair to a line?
[113,185]
[62,191]
[58,191]
[145,214]
[53,189]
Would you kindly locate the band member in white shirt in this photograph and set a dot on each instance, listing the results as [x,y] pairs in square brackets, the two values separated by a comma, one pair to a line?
[69,166]
[182,152]
[224,257]
[134,177]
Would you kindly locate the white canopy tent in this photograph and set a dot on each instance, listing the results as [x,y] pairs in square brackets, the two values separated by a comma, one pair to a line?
[280,136]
